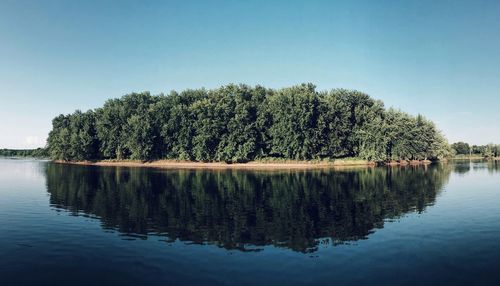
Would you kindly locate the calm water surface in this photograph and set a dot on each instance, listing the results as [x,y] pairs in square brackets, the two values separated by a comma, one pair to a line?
[78,225]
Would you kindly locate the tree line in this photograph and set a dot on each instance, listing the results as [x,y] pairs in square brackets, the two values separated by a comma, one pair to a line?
[240,123]
[487,151]
[35,153]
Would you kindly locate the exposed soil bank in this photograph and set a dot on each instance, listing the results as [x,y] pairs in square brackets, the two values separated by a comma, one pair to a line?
[172,164]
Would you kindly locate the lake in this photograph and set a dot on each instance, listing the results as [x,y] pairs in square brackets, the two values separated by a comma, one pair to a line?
[88,225]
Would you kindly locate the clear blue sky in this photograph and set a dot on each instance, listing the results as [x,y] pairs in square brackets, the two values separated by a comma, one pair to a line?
[437,58]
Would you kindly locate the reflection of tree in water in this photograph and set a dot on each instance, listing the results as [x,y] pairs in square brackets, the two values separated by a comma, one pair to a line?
[244,209]
[493,166]
[461,167]
[465,166]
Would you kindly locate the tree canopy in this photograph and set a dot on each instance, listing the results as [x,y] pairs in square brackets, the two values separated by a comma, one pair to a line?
[240,123]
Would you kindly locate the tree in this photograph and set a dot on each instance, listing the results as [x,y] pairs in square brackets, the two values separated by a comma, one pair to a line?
[294,116]
[461,148]
[239,141]
[59,139]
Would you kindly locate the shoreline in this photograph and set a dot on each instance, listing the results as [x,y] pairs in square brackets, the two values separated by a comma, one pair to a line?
[469,158]
[476,158]
[283,165]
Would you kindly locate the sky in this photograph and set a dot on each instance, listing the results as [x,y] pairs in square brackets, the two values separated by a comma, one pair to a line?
[440,59]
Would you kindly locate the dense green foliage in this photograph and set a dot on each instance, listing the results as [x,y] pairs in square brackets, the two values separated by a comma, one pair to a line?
[239,123]
[246,210]
[35,153]
[489,150]
[461,148]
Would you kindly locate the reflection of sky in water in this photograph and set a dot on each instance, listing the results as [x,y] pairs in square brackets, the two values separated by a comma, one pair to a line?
[14,170]
[21,185]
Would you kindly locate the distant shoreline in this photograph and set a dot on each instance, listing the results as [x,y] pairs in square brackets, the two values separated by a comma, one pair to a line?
[475,158]
[278,165]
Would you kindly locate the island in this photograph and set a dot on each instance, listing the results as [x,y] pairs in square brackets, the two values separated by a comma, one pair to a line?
[242,124]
